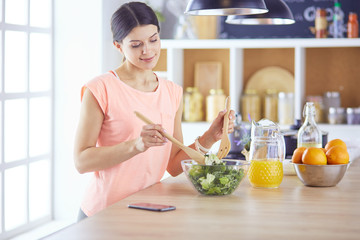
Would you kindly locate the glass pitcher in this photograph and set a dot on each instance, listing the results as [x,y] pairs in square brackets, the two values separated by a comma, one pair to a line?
[267,152]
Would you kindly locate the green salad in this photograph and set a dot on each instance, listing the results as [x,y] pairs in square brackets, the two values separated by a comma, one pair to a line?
[215,178]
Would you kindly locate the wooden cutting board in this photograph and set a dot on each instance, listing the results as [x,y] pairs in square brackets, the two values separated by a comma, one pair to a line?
[207,76]
[271,77]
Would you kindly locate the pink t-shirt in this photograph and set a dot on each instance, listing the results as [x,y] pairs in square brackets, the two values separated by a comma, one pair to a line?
[118,101]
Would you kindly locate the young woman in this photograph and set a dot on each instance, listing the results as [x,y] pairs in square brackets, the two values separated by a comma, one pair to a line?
[125,154]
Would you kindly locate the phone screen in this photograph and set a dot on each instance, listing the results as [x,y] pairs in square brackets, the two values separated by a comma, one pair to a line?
[152,207]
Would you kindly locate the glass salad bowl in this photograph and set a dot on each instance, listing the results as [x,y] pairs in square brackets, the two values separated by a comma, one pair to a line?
[220,178]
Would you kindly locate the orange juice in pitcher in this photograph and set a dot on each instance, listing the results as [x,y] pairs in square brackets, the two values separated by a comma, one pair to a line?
[267,152]
[265,173]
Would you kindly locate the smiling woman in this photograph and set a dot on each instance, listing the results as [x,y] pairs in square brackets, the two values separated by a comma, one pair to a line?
[124,154]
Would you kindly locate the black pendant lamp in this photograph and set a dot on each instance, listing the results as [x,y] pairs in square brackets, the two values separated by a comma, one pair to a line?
[225,7]
[279,14]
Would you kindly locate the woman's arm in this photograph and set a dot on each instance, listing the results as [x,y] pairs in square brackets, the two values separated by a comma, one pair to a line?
[89,158]
[211,136]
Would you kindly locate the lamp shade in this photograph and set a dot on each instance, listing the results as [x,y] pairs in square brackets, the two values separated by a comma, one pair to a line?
[279,14]
[225,7]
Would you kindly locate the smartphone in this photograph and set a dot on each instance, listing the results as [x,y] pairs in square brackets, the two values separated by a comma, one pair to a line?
[152,207]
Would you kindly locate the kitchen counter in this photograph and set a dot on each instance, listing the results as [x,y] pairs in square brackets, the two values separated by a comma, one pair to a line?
[293,211]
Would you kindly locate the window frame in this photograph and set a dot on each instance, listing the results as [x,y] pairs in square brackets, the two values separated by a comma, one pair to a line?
[27,95]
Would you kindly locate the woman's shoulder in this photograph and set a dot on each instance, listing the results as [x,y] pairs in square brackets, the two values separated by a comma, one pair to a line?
[170,84]
[102,77]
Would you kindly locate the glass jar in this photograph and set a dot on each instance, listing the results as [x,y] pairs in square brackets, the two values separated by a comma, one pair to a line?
[351,116]
[286,108]
[309,134]
[250,106]
[330,100]
[215,102]
[271,105]
[193,109]
[336,115]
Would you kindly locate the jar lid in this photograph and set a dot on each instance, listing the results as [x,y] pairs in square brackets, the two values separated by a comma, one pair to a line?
[216,91]
[350,110]
[189,89]
[332,94]
[286,95]
[332,110]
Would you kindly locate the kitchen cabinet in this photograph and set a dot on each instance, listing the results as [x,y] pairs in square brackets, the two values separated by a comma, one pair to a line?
[318,65]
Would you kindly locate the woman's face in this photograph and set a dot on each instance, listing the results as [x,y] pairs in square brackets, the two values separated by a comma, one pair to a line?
[141,47]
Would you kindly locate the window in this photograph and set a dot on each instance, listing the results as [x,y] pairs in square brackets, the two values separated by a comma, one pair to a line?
[26,110]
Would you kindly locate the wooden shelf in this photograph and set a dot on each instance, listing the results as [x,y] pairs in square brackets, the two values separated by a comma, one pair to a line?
[318,65]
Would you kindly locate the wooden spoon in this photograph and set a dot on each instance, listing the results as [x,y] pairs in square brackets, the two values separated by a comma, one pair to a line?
[225,143]
[195,155]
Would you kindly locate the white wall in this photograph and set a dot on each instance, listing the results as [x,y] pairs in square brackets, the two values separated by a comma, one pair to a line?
[111,58]
[83,50]
[77,59]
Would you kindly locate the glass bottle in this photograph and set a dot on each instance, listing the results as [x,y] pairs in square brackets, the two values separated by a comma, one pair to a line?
[353,26]
[338,22]
[321,24]
[309,134]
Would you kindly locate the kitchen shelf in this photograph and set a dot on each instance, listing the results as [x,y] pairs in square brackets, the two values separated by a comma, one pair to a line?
[238,55]
[259,43]
[346,132]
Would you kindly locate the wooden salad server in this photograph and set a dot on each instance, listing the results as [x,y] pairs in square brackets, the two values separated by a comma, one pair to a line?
[225,143]
[195,155]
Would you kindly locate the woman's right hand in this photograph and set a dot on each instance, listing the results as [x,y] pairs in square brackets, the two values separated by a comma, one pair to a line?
[150,136]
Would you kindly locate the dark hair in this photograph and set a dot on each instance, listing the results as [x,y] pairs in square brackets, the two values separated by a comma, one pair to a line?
[129,16]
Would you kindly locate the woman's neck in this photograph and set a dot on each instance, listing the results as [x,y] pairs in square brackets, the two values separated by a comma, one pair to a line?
[143,80]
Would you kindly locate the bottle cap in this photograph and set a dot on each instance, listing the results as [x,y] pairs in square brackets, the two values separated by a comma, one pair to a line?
[309,109]
[320,12]
[352,16]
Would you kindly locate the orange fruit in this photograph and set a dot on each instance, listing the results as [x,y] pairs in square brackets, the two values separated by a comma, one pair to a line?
[314,156]
[335,142]
[337,155]
[324,150]
[297,154]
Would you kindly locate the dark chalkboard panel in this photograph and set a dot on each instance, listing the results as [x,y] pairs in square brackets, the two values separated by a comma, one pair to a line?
[304,14]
